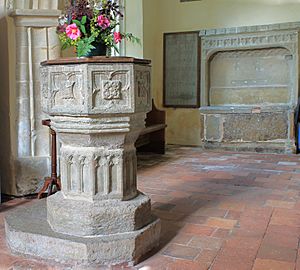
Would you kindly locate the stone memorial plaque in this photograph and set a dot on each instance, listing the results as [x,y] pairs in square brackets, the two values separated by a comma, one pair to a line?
[181,69]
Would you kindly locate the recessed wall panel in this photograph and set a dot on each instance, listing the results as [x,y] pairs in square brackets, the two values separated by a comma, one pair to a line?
[250,77]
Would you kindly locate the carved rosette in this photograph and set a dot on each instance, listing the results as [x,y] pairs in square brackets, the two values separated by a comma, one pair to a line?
[111,90]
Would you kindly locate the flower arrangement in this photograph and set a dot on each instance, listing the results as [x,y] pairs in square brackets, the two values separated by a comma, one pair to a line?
[88,24]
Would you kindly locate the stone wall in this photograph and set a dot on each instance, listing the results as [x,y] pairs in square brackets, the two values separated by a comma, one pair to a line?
[32,38]
[4,89]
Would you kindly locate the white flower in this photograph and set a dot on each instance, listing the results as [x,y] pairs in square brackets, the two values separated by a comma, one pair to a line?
[98,5]
[62,19]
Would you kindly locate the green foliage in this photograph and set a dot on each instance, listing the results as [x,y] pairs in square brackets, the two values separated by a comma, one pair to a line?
[132,38]
[116,48]
[84,46]
[83,20]
[65,41]
[81,24]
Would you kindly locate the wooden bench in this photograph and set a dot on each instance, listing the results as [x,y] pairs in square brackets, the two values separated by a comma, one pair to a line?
[152,137]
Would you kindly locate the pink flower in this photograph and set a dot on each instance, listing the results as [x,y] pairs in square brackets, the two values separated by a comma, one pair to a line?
[72,31]
[117,37]
[103,22]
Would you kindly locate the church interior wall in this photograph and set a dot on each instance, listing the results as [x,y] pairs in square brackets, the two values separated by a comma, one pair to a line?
[185,126]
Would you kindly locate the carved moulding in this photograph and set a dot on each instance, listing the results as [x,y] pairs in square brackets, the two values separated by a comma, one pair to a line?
[251,29]
[286,39]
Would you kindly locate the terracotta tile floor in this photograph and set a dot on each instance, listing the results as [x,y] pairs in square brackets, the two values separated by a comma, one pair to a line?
[219,211]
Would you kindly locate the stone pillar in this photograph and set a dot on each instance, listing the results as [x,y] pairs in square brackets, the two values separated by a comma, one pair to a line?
[97,107]
[34,40]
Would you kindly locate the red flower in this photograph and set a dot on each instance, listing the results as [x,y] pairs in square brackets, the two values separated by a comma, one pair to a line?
[117,37]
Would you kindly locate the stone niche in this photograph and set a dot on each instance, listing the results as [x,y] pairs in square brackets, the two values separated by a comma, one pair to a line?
[249,87]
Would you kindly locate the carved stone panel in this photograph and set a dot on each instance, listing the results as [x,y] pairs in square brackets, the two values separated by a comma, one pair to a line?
[255,127]
[111,90]
[142,85]
[66,90]
[97,173]
[213,128]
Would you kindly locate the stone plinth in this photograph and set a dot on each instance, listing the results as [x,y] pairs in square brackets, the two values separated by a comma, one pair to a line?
[28,233]
[97,107]
[249,87]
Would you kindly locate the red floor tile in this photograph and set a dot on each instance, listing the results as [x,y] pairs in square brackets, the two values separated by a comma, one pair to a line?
[198,229]
[261,264]
[279,253]
[206,242]
[219,211]
[186,265]
[181,251]
[221,223]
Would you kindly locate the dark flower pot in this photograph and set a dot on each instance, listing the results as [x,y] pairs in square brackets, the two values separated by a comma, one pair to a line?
[100,50]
